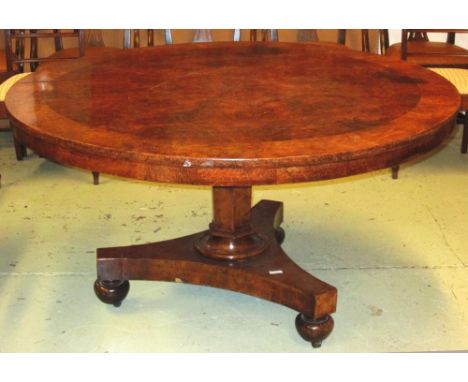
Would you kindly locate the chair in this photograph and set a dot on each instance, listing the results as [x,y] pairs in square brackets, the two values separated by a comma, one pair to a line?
[266,35]
[305,35]
[132,37]
[4,75]
[416,47]
[136,38]
[444,58]
[459,78]
[202,35]
[310,35]
[18,63]
[365,41]
[3,70]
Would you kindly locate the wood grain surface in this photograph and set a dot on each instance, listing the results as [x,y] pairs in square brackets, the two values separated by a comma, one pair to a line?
[233,114]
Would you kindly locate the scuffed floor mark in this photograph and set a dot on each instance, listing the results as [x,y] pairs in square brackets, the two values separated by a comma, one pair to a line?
[444,237]
[375,311]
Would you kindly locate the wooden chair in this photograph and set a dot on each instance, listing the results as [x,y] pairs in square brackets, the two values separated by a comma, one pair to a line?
[310,35]
[416,47]
[365,41]
[205,35]
[445,58]
[132,37]
[3,69]
[266,35]
[135,38]
[19,64]
[4,75]
[459,78]
[15,64]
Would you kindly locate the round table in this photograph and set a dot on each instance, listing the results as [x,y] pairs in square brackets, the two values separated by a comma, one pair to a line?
[231,115]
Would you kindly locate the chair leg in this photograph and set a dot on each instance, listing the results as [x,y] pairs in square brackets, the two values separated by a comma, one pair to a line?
[464,145]
[20,149]
[395,170]
[95,178]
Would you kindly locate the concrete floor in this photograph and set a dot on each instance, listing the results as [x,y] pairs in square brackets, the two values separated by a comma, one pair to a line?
[396,250]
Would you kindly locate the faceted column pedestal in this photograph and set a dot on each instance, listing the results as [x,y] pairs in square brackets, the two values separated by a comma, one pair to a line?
[241,252]
[231,236]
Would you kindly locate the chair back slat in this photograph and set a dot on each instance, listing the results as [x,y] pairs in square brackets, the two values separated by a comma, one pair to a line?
[451,38]
[150,37]
[202,35]
[304,35]
[310,35]
[384,41]
[236,35]
[446,54]
[57,40]
[365,41]
[341,36]
[15,42]
[93,38]
[167,36]
[133,38]
[266,35]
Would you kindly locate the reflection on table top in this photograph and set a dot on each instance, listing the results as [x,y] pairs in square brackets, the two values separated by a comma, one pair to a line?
[233,113]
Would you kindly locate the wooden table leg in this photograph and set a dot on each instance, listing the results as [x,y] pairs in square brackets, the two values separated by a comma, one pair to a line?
[241,252]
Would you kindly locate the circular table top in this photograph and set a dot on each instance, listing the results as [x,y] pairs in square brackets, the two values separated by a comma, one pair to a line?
[232,114]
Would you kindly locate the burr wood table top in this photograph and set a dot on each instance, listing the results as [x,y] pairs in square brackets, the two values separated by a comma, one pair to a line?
[232,114]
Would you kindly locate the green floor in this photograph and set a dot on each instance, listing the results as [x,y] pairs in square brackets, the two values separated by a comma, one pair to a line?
[396,250]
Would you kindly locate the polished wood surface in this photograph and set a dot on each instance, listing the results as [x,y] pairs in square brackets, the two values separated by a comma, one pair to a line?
[90,39]
[271,275]
[417,47]
[430,53]
[233,114]
[231,236]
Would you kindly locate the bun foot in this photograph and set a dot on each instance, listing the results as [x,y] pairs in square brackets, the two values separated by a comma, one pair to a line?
[111,292]
[279,234]
[314,331]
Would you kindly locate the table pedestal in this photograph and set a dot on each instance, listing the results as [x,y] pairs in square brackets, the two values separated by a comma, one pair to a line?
[241,252]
